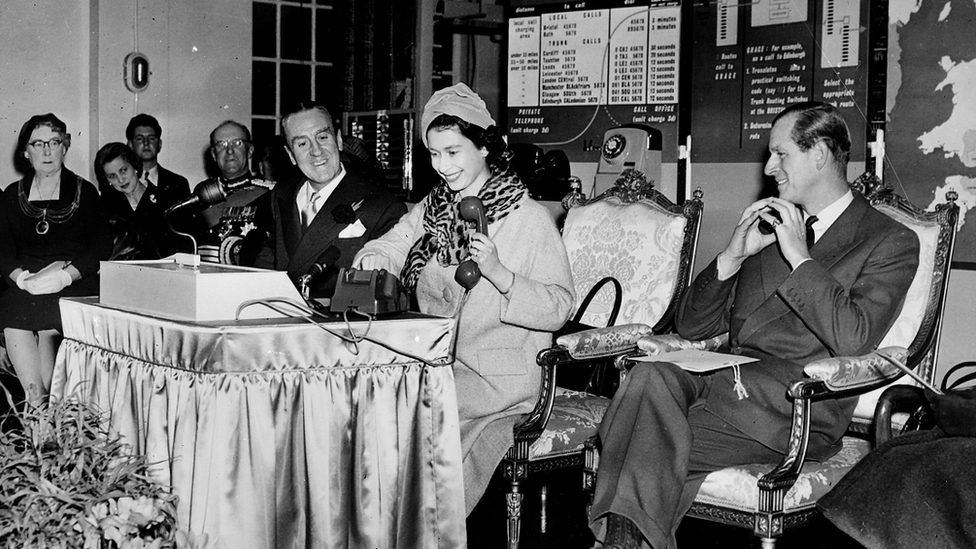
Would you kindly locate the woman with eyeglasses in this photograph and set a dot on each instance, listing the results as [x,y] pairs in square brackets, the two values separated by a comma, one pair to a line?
[137,210]
[53,233]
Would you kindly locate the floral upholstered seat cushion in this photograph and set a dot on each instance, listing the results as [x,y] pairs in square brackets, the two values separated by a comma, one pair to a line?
[575,418]
[638,244]
[738,488]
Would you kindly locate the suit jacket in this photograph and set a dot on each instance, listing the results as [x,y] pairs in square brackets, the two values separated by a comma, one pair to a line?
[841,303]
[172,183]
[288,248]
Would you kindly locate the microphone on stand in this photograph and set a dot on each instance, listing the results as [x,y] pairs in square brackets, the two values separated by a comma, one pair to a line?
[207,193]
[325,262]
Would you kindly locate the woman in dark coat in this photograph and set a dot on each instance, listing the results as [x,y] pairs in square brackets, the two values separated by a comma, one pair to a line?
[137,210]
[53,233]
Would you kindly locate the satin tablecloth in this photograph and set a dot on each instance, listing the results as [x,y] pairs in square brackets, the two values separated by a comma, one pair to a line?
[275,433]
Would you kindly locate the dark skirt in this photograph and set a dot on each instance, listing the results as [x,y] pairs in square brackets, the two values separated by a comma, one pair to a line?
[25,311]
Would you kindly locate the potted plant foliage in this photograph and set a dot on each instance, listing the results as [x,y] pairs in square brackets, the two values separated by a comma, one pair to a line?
[66,481]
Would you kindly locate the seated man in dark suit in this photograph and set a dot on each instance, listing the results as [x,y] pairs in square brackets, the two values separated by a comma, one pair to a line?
[145,137]
[781,300]
[325,217]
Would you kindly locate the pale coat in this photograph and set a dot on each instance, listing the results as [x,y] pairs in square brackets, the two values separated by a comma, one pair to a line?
[498,336]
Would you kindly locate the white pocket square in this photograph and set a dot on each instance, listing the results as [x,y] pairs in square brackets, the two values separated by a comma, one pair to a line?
[355,230]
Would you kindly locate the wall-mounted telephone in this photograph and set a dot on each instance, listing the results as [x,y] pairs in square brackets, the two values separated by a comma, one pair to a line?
[471,209]
[372,292]
[630,146]
[545,174]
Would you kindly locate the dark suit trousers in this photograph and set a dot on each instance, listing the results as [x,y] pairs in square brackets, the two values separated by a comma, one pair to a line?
[659,443]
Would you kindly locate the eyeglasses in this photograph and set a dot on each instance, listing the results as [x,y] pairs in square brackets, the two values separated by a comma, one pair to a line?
[38,144]
[221,146]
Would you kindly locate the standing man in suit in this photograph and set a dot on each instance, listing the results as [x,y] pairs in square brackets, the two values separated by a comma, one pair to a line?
[325,217]
[781,301]
[145,137]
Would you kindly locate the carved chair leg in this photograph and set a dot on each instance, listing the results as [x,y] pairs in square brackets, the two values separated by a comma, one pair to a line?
[591,459]
[768,543]
[589,482]
[514,500]
[543,492]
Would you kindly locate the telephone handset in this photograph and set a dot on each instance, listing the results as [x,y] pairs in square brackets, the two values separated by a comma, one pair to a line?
[765,227]
[471,209]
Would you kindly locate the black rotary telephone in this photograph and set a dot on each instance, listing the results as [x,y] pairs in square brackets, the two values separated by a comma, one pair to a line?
[373,292]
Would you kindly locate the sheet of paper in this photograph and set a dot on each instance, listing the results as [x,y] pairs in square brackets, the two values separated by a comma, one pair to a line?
[50,268]
[698,361]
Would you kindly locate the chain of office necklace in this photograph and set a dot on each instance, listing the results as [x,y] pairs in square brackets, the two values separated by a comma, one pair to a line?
[46,215]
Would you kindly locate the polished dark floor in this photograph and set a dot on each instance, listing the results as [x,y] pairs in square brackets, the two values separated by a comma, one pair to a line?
[566,524]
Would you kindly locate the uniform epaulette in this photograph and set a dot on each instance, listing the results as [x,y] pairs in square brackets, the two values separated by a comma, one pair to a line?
[266,183]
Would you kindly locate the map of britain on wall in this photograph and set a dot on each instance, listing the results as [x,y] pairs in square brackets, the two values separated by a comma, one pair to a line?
[931,130]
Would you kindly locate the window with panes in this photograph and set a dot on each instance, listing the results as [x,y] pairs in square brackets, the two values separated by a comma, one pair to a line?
[297,53]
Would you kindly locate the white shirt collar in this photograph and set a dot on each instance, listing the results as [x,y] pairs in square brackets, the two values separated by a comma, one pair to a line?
[827,216]
[153,175]
[306,191]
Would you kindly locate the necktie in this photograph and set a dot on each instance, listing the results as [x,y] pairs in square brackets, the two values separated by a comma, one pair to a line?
[311,208]
[811,235]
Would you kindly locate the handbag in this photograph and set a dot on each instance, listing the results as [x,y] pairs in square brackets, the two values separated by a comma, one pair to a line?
[598,378]
[955,409]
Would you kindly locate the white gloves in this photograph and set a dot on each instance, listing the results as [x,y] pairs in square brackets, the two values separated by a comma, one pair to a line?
[22,279]
[48,283]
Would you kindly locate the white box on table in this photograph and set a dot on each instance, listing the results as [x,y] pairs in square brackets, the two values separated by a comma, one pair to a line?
[206,292]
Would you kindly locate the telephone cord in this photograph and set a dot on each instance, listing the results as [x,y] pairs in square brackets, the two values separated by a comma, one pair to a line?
[354,339]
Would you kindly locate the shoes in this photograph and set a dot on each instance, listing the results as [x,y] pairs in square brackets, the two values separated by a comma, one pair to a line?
[622,533]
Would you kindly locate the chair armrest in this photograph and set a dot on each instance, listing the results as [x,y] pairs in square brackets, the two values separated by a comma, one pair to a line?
[899,398]
[656,344]
[827,376]
[785,474]
[846,373]
[575,348]
[600,343]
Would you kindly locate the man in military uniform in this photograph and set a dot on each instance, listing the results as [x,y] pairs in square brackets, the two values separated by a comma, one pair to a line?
[232,231]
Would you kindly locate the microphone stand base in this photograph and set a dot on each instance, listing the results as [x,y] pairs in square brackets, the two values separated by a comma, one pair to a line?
[187,260]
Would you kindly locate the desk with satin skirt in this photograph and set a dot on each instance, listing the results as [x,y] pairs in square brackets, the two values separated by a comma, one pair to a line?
[275,433]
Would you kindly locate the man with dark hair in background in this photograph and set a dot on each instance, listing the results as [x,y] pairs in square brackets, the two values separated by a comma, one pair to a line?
[145,137]
[324,217]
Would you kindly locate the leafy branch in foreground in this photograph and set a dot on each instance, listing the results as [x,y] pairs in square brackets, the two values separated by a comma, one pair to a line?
[66,481]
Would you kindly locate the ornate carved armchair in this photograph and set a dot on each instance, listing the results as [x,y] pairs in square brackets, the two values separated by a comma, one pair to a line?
[637,236]
[771,498]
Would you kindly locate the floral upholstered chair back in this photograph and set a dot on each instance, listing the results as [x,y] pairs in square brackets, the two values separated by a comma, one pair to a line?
[917,327]
[636,235]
